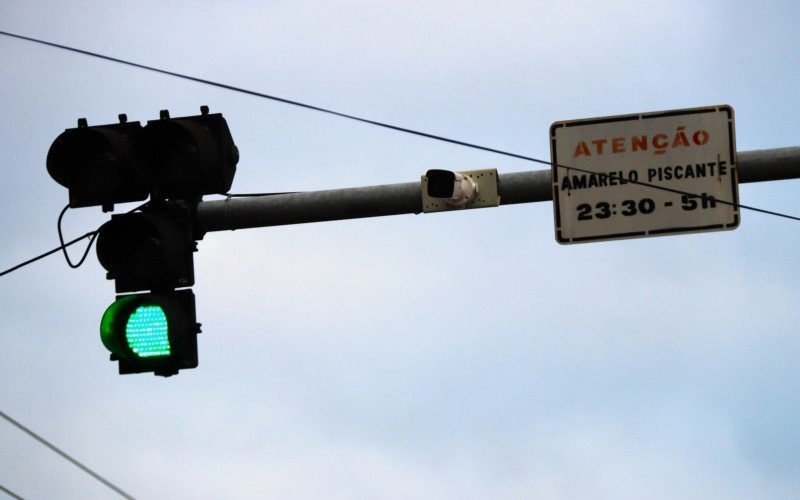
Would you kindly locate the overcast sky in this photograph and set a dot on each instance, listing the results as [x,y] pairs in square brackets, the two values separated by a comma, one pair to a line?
[458,355]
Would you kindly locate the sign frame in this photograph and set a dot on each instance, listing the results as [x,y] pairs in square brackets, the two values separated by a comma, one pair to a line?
[677,223]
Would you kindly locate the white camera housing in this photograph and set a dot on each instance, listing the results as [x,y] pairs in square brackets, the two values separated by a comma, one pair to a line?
[444,190]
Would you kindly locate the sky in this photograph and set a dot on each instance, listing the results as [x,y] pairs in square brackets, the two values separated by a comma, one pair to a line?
[449,355]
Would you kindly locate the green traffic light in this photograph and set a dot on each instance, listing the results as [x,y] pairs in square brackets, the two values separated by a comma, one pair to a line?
[147,332]
[152,332]
[137,327]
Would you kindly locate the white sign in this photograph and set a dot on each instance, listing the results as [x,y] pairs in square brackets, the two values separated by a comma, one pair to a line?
[648,174]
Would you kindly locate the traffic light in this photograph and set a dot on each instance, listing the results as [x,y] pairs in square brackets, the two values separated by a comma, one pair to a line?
[97,165]
[151,327]
[152,332]
[149,250]
[177,158]
[189,156]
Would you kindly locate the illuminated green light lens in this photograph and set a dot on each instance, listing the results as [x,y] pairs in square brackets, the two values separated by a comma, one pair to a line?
[147,332]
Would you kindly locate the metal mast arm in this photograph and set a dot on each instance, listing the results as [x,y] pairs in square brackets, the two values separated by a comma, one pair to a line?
[406,198]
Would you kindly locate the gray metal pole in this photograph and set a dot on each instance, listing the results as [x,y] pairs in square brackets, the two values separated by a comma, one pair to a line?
[406,198]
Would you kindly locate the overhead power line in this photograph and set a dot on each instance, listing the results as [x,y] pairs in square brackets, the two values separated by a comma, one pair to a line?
[90,234]
[10,493]
[63,247]
[275,98]
[65,455]
[360,119]
[331,112]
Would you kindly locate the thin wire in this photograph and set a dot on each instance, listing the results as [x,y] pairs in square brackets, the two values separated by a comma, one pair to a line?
[51,252]
[91,234]
[274,98]
[64,455]
[64,248]
[260,94]
[10,493]
[365,120]
[678,191]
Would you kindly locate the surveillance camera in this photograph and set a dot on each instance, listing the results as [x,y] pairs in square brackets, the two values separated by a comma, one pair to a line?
[456,189]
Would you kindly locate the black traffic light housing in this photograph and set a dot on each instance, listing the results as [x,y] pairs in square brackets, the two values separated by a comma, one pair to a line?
[174,161]
[170,158]
[153,332]
[97,164]
[149,250]
[189,156]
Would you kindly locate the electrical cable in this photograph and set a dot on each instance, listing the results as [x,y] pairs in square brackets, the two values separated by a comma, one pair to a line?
[65,455]
[91,234]
[686,193]
[10,493]
[50,252]
[365,120]
[275,98]
[270,97]
[64,248]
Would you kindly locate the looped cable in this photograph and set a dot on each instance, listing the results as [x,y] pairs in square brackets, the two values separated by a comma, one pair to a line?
[92,235]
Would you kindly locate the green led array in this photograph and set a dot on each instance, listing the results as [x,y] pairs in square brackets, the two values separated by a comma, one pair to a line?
[147,332]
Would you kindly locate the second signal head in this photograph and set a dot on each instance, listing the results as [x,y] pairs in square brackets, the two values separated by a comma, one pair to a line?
[189,156]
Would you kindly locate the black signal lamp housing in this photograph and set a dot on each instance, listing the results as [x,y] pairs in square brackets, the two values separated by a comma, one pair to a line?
[97,165]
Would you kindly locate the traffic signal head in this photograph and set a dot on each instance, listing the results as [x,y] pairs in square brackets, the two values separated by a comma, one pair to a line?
[97,165]
[176,158]
[149,250]
[154,332]
[189,156]
[174,161]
